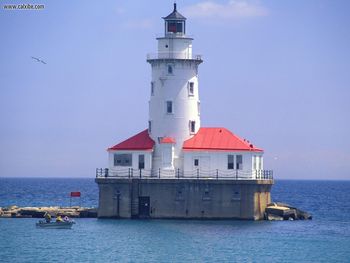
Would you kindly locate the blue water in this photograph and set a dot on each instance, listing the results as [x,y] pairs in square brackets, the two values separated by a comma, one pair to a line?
[47,192]
[324,239]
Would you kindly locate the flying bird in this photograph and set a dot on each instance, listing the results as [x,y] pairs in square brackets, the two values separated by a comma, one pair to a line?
[39,60]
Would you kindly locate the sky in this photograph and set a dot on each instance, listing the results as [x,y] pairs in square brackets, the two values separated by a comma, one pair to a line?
[275,72]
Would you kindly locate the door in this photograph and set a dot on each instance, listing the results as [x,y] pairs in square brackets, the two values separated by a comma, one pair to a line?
[144,206]
[167,156]
[141,161]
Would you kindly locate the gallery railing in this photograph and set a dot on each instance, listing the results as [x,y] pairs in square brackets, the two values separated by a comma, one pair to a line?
[174,55]
[180,174]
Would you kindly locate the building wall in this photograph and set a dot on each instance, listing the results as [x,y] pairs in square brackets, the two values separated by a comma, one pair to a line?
[185,198]
[172,47]
[135,160]
[257,161]
[212,160]
[108,194]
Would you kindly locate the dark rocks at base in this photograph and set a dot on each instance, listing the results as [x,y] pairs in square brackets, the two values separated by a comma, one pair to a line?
[31,213]
[281,211]
[302,215]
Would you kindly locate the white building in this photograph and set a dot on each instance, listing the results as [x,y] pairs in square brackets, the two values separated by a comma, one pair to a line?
[175,144]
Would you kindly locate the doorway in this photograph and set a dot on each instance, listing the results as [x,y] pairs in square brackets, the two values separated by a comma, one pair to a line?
[141,161]
[144,206]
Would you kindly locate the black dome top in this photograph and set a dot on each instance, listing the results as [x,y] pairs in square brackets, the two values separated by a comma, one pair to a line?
[175,15]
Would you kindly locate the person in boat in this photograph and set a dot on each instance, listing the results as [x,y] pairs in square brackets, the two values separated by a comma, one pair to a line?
[59,219]
[47,217]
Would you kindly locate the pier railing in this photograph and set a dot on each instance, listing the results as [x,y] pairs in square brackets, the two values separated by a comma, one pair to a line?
[180,174]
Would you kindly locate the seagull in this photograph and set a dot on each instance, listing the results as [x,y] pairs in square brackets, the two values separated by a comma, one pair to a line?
[39,60]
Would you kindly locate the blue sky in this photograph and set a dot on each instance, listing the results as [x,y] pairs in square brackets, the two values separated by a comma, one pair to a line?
[274,72]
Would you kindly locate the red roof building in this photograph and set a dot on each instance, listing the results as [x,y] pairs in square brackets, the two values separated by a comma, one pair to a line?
[139,142]
[218,139]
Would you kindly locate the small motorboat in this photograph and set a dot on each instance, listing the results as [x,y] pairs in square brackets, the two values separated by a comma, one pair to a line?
[55,225]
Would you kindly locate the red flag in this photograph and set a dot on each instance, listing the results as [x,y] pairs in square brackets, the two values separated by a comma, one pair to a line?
[75,194]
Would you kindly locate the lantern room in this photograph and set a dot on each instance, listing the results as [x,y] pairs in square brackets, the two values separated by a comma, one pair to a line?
[175,23]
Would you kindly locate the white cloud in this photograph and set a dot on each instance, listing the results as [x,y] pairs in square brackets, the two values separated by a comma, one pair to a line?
[138,24]
[234,9]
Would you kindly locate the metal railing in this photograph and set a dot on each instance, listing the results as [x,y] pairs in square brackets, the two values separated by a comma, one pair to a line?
[174,55]
[173,35]
[181,174]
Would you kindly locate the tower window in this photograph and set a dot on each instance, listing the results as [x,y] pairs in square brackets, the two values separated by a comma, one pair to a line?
[199,108]
[169,107]
[149,126]
[230,160]
[170,69]
[191,89]
[192,126]
[152,88]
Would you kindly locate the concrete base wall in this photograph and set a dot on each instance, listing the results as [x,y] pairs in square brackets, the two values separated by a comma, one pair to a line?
[183,198]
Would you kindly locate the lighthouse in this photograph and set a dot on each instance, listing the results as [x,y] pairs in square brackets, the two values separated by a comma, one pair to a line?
[175,144]
[175,168]
[174,105]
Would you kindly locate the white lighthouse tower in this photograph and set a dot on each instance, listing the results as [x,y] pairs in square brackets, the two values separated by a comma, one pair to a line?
[174,106]
[175,144]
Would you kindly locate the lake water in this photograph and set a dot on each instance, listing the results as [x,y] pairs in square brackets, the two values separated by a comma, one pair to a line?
[326,238]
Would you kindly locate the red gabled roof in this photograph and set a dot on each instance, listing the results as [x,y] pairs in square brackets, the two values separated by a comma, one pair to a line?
[140,141]
[219,139]
[167,140]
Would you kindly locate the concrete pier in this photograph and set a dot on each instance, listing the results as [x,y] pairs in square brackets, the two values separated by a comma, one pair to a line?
[39,212]
[183,198]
